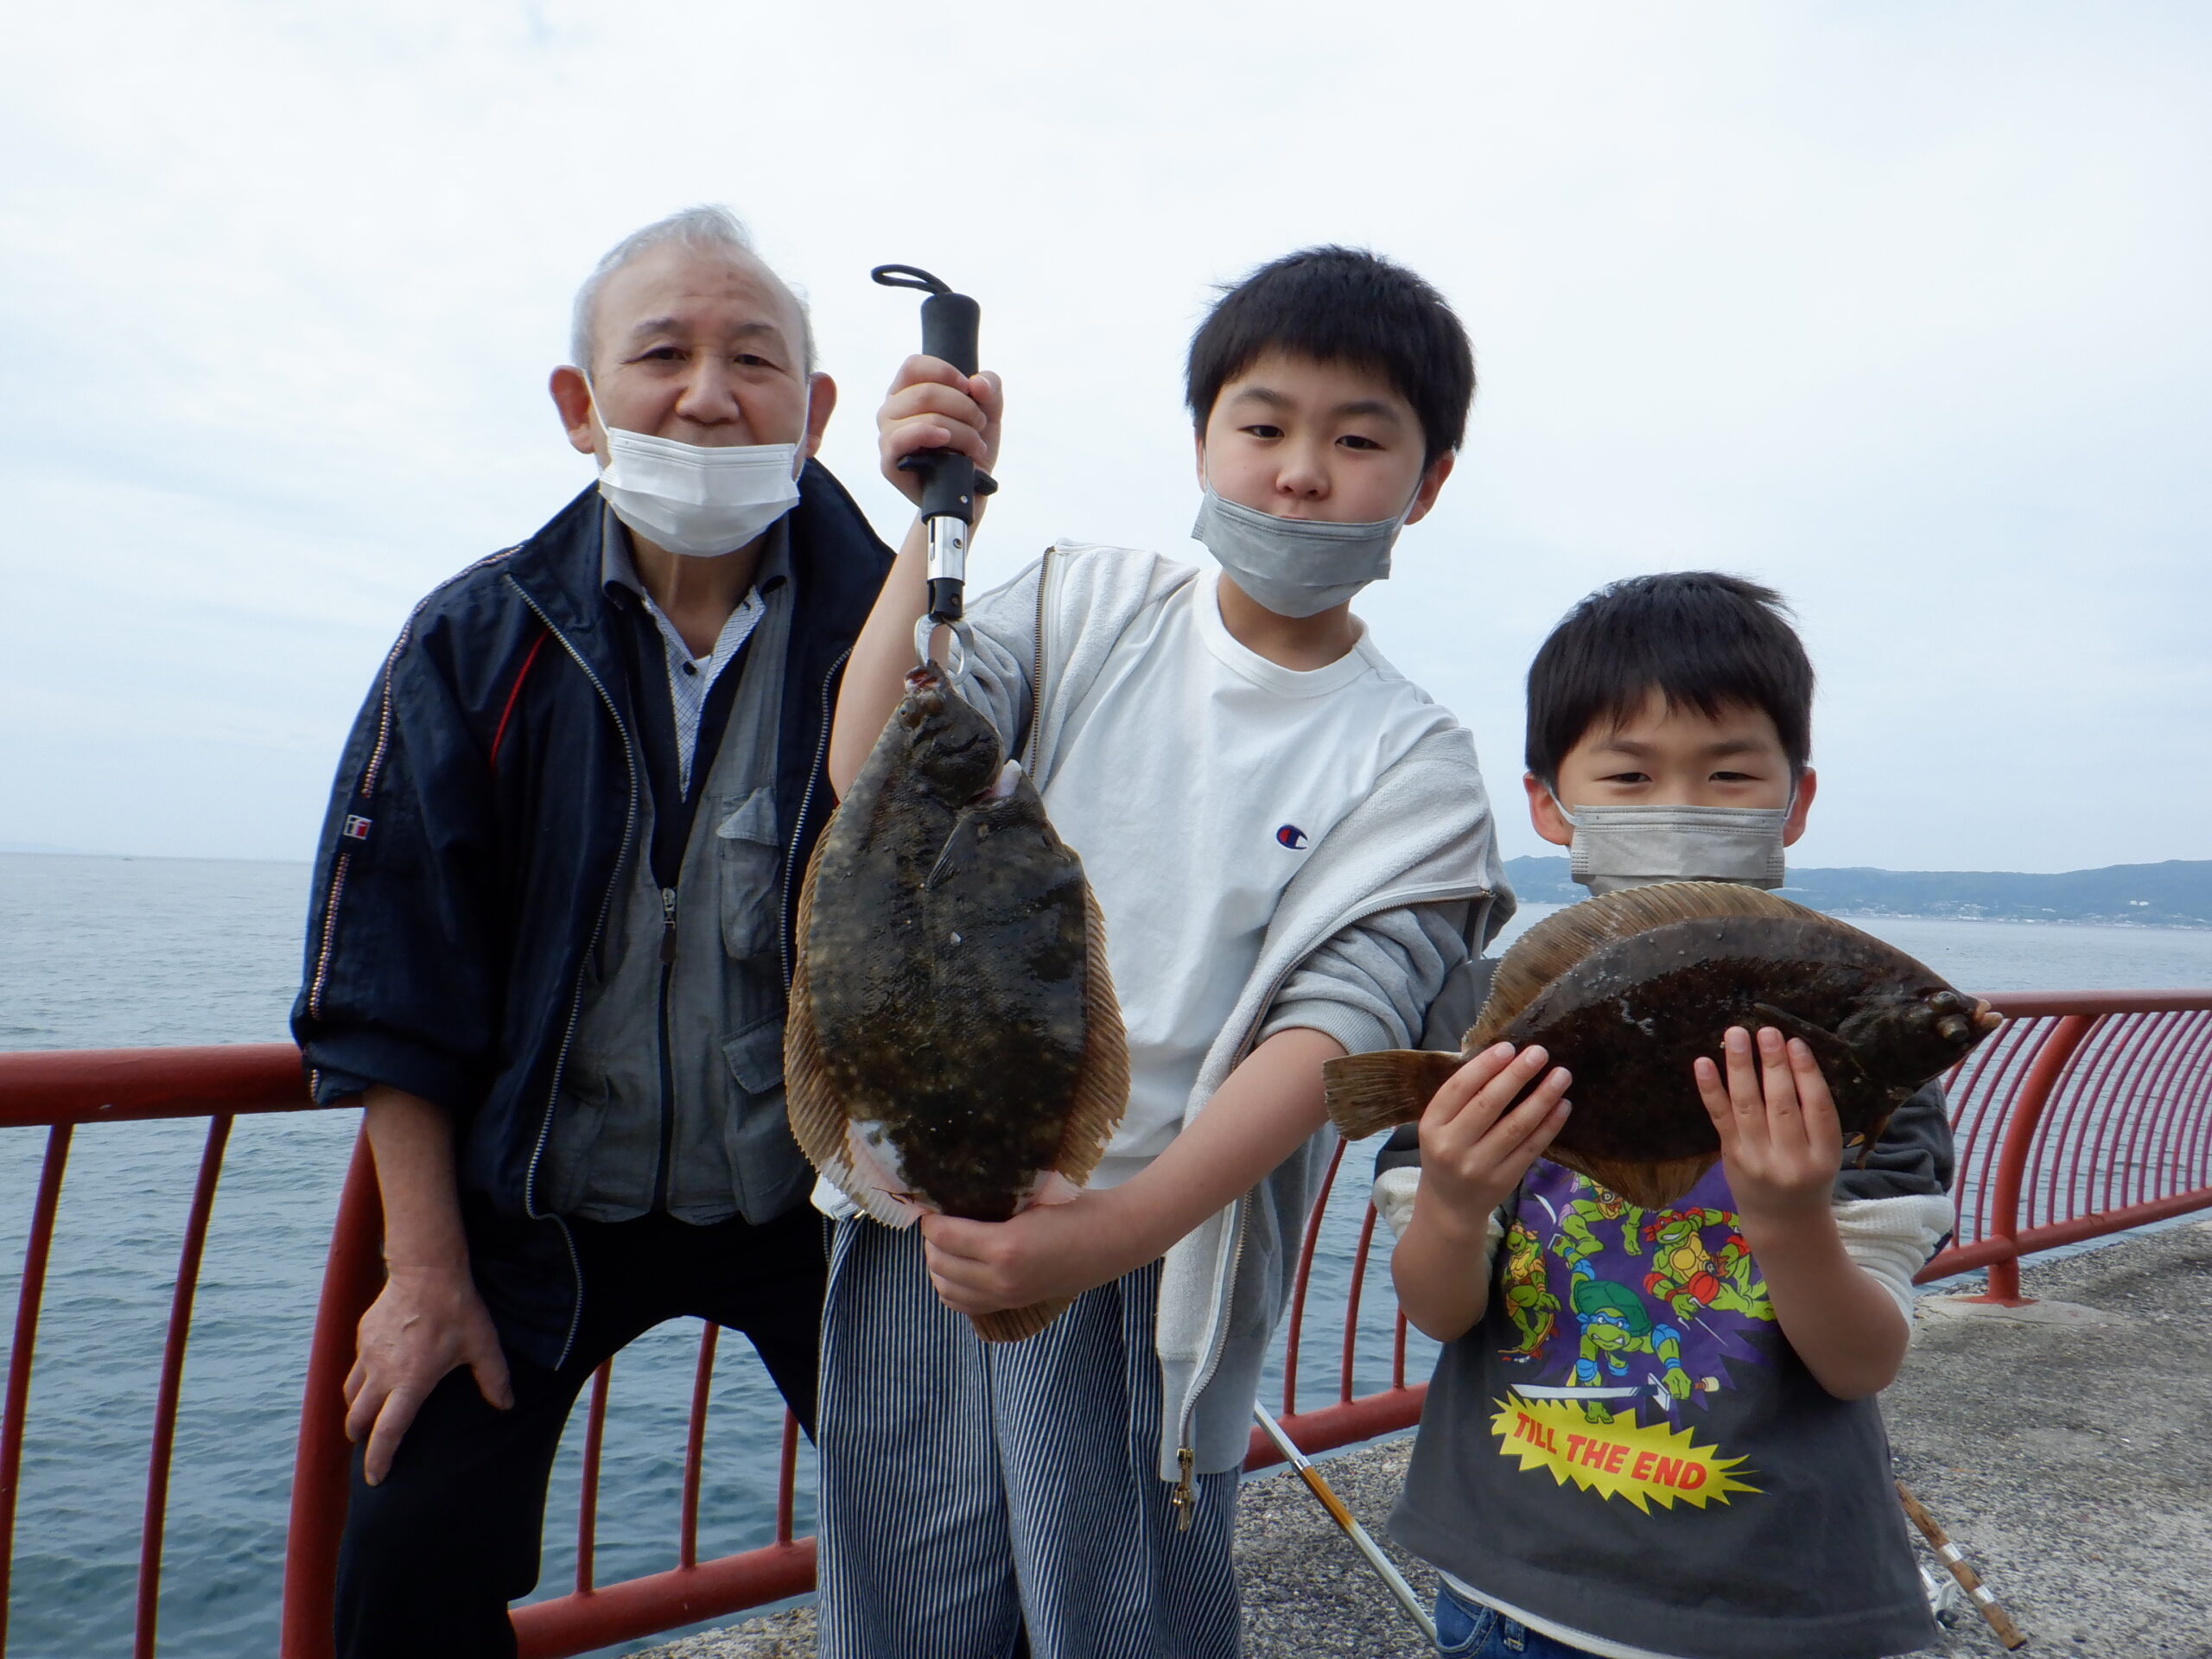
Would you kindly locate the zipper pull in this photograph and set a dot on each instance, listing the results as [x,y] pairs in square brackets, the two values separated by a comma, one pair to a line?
[1185,1501]
[668,924]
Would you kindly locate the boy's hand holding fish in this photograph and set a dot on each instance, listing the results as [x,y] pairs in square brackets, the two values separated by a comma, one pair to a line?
[1269,1108]
[1781,1142]
[1476,1144]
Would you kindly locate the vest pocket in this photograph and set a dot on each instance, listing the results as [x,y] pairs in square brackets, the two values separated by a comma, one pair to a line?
[756,1057]
[750,857]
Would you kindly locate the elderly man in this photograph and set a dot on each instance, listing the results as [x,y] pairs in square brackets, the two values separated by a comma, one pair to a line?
[551,927]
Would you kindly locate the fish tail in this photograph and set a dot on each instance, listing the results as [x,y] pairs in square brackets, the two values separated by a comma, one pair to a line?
[1013,1324]
[1367,1093]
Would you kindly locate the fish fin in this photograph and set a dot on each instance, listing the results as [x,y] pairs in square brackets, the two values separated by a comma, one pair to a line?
[1867,1140]
[1102,1092]
[1648,1186]
[1380,1090]
[1829,1049]
[1564,939]
[1013,1324]
[816,1115]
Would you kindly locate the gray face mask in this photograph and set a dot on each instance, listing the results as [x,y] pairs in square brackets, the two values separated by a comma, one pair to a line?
[1618,847]
[1295,567]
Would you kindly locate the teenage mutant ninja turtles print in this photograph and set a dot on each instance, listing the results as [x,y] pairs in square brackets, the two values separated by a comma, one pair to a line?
[1629,1322]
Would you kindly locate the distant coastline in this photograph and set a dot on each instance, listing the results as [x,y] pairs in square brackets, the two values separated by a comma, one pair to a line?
[2175,894]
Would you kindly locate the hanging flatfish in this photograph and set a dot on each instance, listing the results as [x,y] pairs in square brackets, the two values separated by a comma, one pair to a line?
[1627,990]
[953,1042]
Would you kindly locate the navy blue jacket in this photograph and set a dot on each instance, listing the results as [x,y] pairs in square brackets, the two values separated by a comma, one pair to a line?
[480,813]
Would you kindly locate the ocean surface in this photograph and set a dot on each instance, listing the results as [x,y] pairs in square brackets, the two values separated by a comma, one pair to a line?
[108,952]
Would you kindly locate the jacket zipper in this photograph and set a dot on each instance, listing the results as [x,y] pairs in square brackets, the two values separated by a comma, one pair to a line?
[1184,1497]
[576,998]
[792,875]
[663,1174]
[1037,666]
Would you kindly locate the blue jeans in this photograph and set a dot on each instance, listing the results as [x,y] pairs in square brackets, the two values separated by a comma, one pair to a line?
[1471,1630]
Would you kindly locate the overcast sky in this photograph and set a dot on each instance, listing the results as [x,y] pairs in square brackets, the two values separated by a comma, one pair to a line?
[1901,307]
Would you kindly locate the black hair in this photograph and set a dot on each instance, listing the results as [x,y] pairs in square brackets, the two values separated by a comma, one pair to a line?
[1702,640]
[1341,305]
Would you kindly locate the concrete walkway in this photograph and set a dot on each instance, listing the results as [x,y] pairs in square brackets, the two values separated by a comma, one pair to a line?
[2069,1455]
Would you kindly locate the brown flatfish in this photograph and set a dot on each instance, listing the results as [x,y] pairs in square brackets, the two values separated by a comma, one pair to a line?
[953,1042]
[1627,990]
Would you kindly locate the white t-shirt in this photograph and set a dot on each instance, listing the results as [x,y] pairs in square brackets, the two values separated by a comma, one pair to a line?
[1192,780]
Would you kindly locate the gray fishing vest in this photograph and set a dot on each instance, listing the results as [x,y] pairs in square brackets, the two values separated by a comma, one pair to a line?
[730,1151]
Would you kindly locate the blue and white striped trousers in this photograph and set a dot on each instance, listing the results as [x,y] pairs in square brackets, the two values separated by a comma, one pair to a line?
[973,1490]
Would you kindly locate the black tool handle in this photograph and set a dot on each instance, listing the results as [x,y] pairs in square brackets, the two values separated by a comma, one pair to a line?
[950,321]
[949,325]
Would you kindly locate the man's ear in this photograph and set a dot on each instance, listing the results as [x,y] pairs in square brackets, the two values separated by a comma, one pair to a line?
[1432,481]
[1543,812]
[573,398]
[821,403]
[1808,784]
[1198,455]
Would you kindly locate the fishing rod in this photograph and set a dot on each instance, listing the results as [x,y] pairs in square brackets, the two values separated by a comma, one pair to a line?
[1948,1552]
[952,483]
[1344,1519]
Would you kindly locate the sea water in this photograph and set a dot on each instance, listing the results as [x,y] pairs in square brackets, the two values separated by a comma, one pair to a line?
[103,953]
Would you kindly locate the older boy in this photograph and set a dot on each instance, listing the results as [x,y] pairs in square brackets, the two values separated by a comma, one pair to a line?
[1652,1434]
[1292,847]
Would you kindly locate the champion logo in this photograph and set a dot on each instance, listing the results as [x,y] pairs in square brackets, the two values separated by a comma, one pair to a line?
[1291,837]
[356,827]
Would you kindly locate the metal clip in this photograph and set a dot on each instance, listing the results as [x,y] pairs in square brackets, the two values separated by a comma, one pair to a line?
[1186,1500]
[955,654]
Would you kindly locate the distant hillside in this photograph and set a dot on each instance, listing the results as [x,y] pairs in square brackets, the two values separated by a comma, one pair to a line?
[2177,893]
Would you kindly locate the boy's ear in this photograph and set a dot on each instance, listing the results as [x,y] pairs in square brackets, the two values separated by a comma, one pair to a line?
[1424,497]
[1544,813]
[1808,784]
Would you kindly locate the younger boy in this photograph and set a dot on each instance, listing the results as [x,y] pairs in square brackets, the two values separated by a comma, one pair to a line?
[1290,846]
[1653,1434]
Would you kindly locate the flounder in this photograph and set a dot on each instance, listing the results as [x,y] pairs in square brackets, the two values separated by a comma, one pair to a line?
[953,1042]
[1626,990]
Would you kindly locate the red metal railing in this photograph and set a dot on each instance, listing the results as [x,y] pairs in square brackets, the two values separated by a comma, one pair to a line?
[2087,1113]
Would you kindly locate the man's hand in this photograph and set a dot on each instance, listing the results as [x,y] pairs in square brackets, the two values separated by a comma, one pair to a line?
[425,1323]
[1048,1251]
[1476,1144]
[931,405]
[1780,1140]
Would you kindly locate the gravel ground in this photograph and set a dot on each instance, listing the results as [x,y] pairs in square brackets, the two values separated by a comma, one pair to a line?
[2068,1455]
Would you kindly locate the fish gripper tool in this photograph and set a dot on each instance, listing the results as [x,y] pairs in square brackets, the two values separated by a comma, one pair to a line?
[952,483]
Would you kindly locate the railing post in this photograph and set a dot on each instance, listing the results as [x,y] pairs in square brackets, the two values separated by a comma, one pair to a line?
[155,1524]
[2020,1132]
[322,1470]
[28,1296]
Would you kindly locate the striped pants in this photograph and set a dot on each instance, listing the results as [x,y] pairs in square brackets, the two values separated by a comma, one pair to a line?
[986,1501]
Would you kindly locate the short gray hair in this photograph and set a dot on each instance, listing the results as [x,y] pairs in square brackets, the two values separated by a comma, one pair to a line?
[708,228]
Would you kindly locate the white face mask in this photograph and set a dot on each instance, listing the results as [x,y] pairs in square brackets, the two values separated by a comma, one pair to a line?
[690,498]
[1295,567]
[1618,847]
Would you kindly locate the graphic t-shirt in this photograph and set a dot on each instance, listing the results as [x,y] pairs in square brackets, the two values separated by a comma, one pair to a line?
[1627,1445]
[1192,779]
